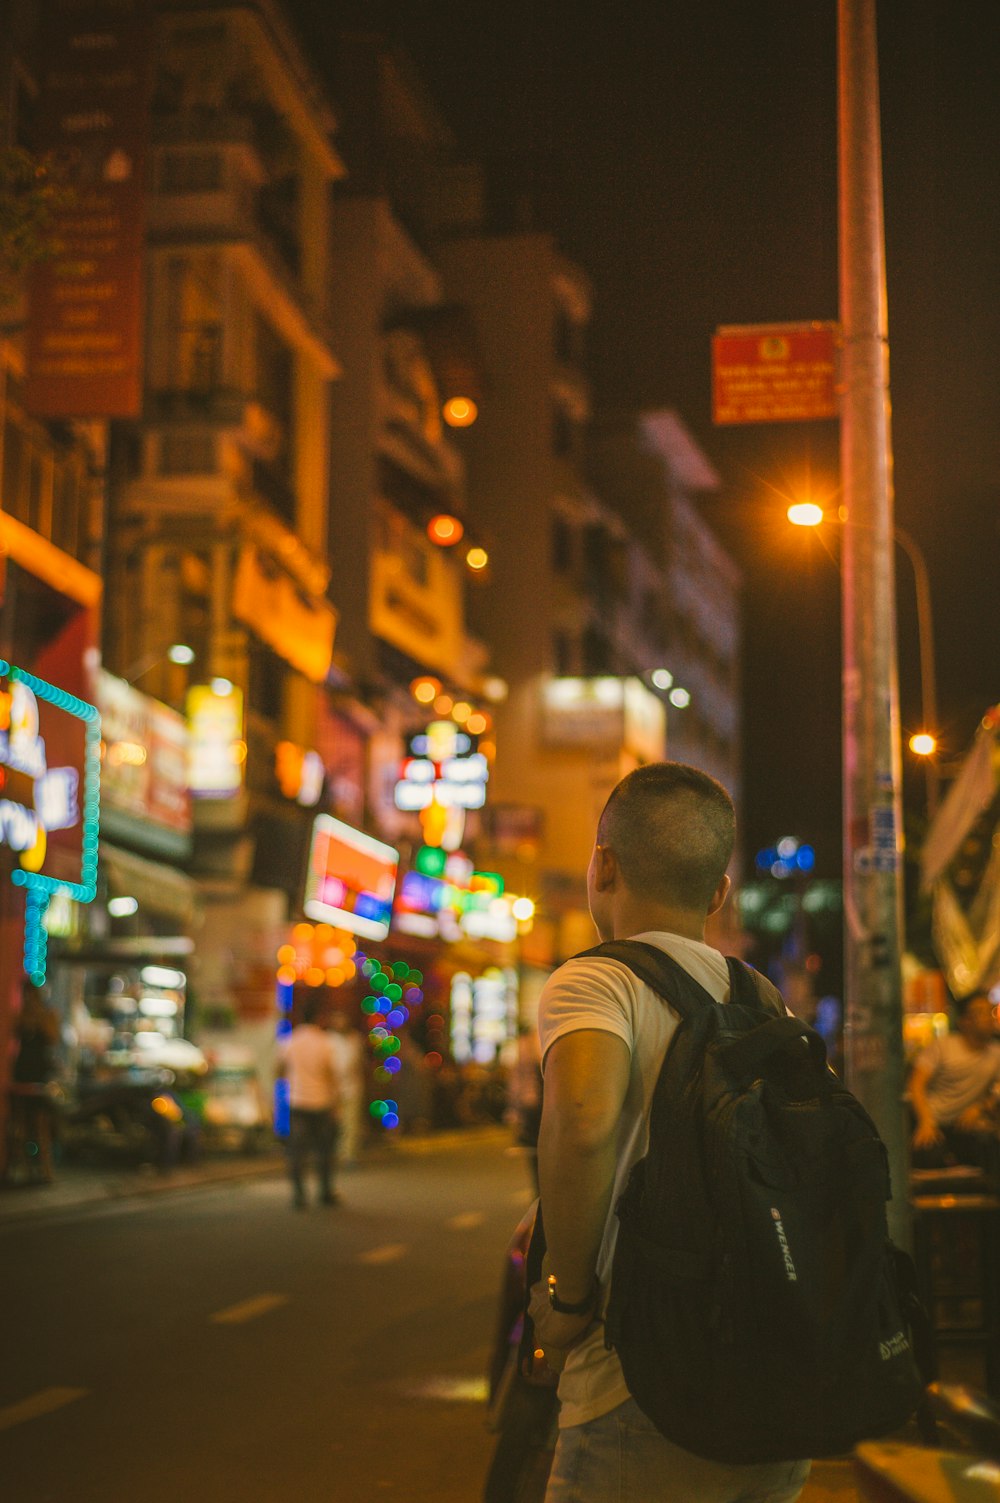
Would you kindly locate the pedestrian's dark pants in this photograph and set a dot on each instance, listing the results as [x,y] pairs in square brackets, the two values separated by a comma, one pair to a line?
[312,1132]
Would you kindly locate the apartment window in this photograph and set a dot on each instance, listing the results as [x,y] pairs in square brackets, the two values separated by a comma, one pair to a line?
[194,313]
[274,477]
[562,545]
[598,653]
[563,654]
[267,682]
[190,172]
[563,433]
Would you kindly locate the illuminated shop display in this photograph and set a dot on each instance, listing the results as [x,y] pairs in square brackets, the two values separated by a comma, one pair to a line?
[483,1014]
[350,878]
[38,801]
[300,773]
[442,777]
[216,749]
[443,898]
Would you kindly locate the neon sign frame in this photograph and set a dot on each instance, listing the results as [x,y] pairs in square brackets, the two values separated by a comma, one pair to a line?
[39,888]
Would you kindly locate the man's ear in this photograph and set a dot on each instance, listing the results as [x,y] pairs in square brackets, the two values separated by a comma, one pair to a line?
[605,868]
[720,895]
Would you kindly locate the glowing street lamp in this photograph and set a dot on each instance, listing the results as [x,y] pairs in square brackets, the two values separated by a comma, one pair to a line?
[805,514]
[460,412]
[923,744]
[445,530]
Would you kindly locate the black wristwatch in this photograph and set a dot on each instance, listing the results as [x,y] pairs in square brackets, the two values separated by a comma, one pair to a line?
[563,1307]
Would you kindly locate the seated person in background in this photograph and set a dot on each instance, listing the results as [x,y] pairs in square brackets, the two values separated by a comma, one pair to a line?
[953,1088]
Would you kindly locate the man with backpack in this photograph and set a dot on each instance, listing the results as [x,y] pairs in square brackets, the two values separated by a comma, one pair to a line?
[614,1131]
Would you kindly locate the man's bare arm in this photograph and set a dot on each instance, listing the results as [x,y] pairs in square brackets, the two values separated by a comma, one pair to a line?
[927,1132]
[586,1080]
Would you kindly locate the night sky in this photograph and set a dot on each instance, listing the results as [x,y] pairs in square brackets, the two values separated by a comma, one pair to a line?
[684,153]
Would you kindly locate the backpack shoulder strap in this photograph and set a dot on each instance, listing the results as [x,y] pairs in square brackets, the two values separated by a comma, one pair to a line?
[659,971]
[750,989]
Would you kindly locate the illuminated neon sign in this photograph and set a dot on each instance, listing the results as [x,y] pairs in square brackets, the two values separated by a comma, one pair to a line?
[350,880]
[38,800]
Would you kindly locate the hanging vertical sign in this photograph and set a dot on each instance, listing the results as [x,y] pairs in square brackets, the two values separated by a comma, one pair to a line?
[85,304]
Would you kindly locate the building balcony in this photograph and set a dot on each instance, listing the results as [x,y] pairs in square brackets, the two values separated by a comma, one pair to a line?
[230,218]
[403,438]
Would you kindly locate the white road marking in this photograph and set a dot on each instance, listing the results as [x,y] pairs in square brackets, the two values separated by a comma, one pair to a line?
[390,1253]
[248,1309]
[465,1221]
[45,1401]
[451,1390]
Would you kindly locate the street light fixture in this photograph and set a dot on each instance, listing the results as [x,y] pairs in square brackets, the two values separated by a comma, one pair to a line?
[808,514]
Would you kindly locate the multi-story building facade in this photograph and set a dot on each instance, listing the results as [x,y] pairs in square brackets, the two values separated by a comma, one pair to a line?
[217,535]
[600,606]
[51,532]
[684,587]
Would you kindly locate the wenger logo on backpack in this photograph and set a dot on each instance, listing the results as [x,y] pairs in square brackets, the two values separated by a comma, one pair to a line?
[757,1304]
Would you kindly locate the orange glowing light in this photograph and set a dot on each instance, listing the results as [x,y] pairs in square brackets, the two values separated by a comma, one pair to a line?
[424,690]
[488,749]
[335,976]
[923,744]
[349,969]
[315,976]
[445,530]
[286,974]
[476,724]
[460,412]
[443,704]
[461,712]
[477,558]
[286,955]
[303,933]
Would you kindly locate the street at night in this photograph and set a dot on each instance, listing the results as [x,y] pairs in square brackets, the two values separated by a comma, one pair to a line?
[215,1344]
[499,697]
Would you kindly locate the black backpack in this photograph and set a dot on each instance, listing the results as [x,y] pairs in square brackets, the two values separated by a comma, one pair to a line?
[757,1306]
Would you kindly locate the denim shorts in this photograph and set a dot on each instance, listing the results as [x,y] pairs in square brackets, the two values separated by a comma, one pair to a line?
[622,1458]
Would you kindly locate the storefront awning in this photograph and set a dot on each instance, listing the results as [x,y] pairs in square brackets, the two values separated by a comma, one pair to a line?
[158,888]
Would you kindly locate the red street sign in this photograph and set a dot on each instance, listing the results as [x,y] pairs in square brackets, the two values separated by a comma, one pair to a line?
[774,373]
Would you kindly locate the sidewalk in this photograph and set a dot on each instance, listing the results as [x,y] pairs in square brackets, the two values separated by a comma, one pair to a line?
[77,1186]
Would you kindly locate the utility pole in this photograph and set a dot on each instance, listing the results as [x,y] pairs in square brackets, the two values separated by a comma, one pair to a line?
[873,897]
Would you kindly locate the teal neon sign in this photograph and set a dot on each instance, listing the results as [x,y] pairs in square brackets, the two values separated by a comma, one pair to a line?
[57,802]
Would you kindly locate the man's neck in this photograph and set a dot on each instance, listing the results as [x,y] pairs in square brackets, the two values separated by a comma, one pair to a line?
[653,918]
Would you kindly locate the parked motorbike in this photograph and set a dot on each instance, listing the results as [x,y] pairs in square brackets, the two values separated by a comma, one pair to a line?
[131,1115]
[523,1405]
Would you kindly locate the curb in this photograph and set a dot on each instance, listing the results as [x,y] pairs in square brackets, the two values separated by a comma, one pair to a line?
[103,1191]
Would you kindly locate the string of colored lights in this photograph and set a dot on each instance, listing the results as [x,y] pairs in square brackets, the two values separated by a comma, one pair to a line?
[394,990]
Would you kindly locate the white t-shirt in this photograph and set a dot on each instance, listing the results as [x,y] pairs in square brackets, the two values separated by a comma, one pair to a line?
[313,1069]
[604,994]
[959,1077]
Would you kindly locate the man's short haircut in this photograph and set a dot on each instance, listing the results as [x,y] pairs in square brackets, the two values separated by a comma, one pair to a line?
[672,829]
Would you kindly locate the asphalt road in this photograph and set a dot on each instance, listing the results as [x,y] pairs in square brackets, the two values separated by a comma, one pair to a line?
[216,1345]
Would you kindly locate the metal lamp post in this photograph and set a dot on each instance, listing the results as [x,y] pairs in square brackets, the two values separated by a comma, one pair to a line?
[873,895]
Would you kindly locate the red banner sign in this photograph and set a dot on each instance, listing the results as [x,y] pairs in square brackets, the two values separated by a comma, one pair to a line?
[774,373]
[85,315]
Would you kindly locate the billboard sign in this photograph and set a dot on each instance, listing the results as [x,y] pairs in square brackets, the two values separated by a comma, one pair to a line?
[350,879]
[39,801]
[85,311]
[774,373]
[216,749]
[145,766]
